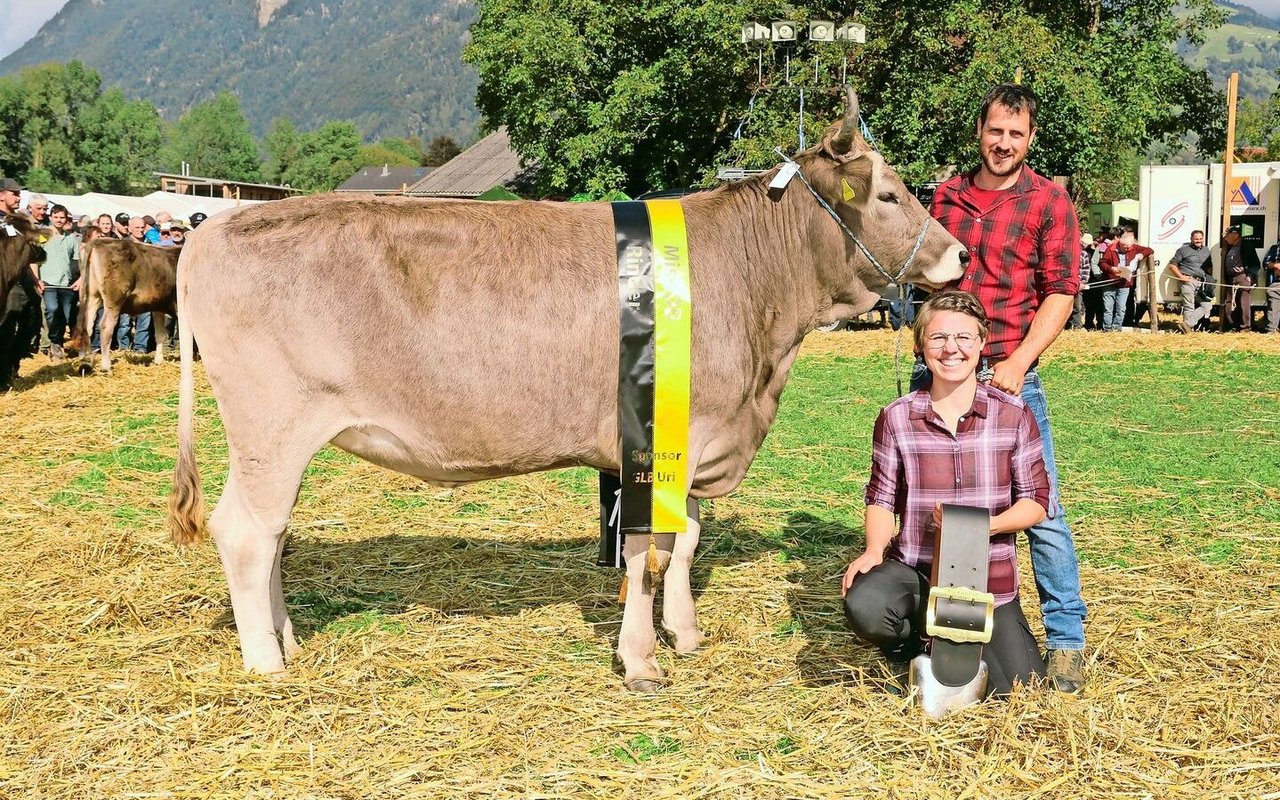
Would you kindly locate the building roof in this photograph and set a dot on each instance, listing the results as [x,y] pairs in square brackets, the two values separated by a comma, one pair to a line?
[196,180]
[384,179]
[488,163]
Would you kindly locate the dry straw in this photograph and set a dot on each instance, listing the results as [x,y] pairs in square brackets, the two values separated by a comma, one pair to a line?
[458,643]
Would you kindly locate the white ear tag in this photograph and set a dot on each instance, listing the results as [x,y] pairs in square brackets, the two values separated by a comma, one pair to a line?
[784,175]
[10,230]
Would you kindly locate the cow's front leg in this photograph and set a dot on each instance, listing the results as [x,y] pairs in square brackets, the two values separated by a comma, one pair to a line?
[679,617]
[638,639]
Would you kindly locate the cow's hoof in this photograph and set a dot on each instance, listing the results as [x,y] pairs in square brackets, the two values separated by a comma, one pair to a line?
[644,685]
[84,370]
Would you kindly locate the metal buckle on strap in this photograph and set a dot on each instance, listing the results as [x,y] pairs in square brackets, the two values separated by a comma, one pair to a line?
[960,594]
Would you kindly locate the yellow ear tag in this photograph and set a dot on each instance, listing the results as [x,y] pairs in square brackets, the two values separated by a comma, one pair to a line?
[847,190]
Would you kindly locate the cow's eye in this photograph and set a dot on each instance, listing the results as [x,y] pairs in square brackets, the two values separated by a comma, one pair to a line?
[887,197]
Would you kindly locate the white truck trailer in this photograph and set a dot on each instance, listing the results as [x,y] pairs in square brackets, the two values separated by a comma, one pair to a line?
[1173,201]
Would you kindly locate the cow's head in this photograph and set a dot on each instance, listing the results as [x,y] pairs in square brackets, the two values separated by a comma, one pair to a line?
[875,205]
[21,242]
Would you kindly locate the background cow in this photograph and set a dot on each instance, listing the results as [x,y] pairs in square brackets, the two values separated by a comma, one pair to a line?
[20,312]
[503,322]
[125,277]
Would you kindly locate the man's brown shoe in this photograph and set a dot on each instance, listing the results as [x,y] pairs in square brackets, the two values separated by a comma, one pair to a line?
[1066,670]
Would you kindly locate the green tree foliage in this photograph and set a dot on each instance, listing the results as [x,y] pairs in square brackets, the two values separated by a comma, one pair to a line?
[326,157]
[282,145]
[1258,129]
[650,94]
[213,138]
[62,133]
[441,151]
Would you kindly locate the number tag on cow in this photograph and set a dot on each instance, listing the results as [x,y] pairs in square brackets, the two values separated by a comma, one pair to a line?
[9,230]
[784,176]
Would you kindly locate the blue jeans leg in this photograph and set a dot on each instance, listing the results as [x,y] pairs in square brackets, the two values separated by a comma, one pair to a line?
[142,332]
[1053,552]
[1108,308]
[58,309]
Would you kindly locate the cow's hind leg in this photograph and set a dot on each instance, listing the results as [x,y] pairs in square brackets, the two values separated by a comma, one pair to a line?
[248,526]
[679,617]
[158,324]
[106,332]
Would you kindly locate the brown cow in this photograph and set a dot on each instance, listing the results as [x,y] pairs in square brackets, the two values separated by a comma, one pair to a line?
[20,247]
[503,322]
[125,277]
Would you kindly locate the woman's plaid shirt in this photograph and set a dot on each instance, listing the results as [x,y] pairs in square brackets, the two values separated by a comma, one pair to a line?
[994,459]
[1021,249]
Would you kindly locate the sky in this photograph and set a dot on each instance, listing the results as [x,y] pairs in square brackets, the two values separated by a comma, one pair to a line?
[20,19]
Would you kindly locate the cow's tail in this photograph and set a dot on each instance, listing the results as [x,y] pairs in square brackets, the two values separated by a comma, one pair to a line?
[83,331]
[186,503]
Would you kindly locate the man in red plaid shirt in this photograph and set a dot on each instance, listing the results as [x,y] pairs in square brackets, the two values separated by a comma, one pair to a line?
[1022,236]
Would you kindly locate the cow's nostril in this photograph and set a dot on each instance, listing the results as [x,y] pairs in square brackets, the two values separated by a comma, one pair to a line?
[964,257]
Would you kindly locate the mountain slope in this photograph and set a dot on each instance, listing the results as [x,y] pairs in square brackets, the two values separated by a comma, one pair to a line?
[394,69]
[1249,44]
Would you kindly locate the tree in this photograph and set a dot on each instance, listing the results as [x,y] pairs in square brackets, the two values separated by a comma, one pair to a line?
[441,151]
[63,134]
[1234,45]
[214,139]
[650,95]
[282,145]
[326,157]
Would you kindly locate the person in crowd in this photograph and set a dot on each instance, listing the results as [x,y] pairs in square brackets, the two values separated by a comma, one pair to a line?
[152,233]
[122,226]
[1120,265]
[1023,240]
[38,210]
[10,197]
[1087,251]
[198,218]
[1240,273]
[914,469]
[60,280]
[104,225]
[1271,271]
[1188,268]
[178,234]
[1097,281]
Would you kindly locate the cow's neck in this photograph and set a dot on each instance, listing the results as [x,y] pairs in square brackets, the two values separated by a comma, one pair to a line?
[772,253]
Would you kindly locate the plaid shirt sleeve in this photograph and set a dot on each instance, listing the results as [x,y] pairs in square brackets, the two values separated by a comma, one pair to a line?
[886,466]
[1029,478]
[1059,242]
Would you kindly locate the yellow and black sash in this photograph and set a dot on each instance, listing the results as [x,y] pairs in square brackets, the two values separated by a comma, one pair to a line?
[653,376]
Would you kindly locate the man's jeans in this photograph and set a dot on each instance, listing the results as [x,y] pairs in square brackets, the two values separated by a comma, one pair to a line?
[59,312]
[140,342]
[1053,551]
[1113,303]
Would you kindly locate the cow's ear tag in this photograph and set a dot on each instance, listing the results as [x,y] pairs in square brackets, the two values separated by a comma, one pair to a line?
[846,191]
[9,230]
[780,181]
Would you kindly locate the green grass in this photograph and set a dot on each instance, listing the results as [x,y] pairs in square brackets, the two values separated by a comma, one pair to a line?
[642,747]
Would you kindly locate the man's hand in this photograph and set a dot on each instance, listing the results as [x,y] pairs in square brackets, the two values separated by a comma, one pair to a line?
[1008,376]
[40,287]
[75,286]
[860,566]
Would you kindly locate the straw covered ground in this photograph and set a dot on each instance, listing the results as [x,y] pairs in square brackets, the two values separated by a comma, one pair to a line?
[457,643]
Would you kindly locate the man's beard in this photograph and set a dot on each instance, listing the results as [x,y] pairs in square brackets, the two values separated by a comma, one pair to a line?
[1015,163]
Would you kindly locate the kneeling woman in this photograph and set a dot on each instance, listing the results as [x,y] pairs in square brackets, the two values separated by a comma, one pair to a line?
[958,441]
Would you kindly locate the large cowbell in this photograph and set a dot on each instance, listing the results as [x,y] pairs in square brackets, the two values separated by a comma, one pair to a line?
[959,616]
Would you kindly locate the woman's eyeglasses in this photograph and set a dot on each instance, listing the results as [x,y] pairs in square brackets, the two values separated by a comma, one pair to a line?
[965,341]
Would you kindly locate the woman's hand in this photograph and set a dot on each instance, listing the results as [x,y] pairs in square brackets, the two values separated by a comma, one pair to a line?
[860,566]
